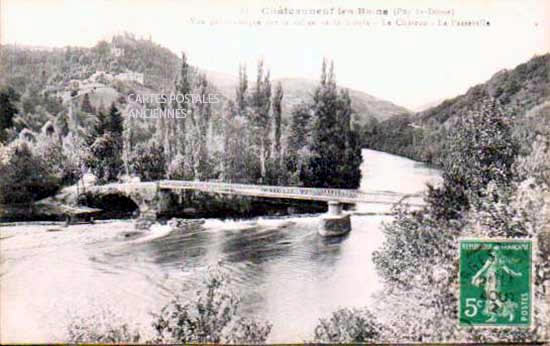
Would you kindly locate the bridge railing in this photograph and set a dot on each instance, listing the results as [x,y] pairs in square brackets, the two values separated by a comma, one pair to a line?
[293,192]
[288,190]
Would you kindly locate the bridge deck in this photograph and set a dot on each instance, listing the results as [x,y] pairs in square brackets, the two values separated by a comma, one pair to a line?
[269,191]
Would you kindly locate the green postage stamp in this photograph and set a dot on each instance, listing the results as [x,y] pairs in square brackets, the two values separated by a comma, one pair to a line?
[495,282]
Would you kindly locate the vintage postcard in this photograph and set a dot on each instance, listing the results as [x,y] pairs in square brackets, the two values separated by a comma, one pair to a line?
[274,171]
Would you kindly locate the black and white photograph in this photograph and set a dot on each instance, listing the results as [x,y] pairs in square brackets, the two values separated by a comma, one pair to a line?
[274,171]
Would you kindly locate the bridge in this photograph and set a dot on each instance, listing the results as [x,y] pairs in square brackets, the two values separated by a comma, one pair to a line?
[150,196]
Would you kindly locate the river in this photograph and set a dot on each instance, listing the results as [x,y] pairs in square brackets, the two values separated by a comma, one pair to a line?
[283,270]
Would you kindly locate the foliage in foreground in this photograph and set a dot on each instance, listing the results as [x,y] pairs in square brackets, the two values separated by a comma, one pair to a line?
[210,318]
[349,326]
[213,317]
[103,327]
[487,192]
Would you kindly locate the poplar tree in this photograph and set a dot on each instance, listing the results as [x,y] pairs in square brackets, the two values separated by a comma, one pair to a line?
[323,150]
[277,117]
[200,118]
[260,102]
[183,87]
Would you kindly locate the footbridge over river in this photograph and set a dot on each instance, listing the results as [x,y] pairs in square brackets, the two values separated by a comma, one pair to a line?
[150,197]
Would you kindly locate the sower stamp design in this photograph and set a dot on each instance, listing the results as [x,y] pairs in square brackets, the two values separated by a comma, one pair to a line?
[495,283]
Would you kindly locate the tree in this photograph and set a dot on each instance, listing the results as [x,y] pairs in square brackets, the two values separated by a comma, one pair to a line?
[277,117]
[239,165]
[183,88]
[26,177]
[102,48]
[235,160]
[76,153]
[335,159]
[8,97]
[147,161]
[114,122]
[241,91]
[101,328]
[200,119]
[86,105]
[106,146]
[297,155]
[105,158]
[260,119]
[481,150]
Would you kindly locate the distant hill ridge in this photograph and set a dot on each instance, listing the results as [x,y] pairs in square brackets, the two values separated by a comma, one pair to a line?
[521,88]
[523,92]
[160,67]
[297,90]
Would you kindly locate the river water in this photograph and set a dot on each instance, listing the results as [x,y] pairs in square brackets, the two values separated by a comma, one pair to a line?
[283,271]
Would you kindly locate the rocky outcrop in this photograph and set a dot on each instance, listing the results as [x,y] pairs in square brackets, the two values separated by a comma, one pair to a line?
[182,224]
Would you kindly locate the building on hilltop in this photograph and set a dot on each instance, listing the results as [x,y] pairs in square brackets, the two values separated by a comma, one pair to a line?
[130,76]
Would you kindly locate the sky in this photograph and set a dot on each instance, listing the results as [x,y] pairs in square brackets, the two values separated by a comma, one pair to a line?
[410,65]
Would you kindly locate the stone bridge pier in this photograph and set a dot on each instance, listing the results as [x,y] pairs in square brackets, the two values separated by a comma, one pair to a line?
[151,202]
[334,222]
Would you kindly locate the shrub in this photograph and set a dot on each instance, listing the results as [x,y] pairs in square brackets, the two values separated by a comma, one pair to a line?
[103,327]
[349,326]
[25,177]
[179,168]
[211,318]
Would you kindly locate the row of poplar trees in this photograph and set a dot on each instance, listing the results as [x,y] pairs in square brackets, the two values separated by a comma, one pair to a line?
[248,141]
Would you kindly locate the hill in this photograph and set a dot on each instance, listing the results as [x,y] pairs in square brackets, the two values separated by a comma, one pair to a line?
[297,90]
[157,67]
[519,89]
[428,105]
[364,105]
[523,92]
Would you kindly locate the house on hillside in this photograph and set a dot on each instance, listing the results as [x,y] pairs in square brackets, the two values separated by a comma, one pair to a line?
[74,84]
[117,51]
[130,76]
[101,77]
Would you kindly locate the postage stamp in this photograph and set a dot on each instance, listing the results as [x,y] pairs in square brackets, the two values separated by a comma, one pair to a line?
[495,282]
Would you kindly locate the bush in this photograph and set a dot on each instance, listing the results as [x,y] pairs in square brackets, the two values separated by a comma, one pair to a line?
[179,168]
[25,177]
[349,326]
[211,318]
[103,327]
